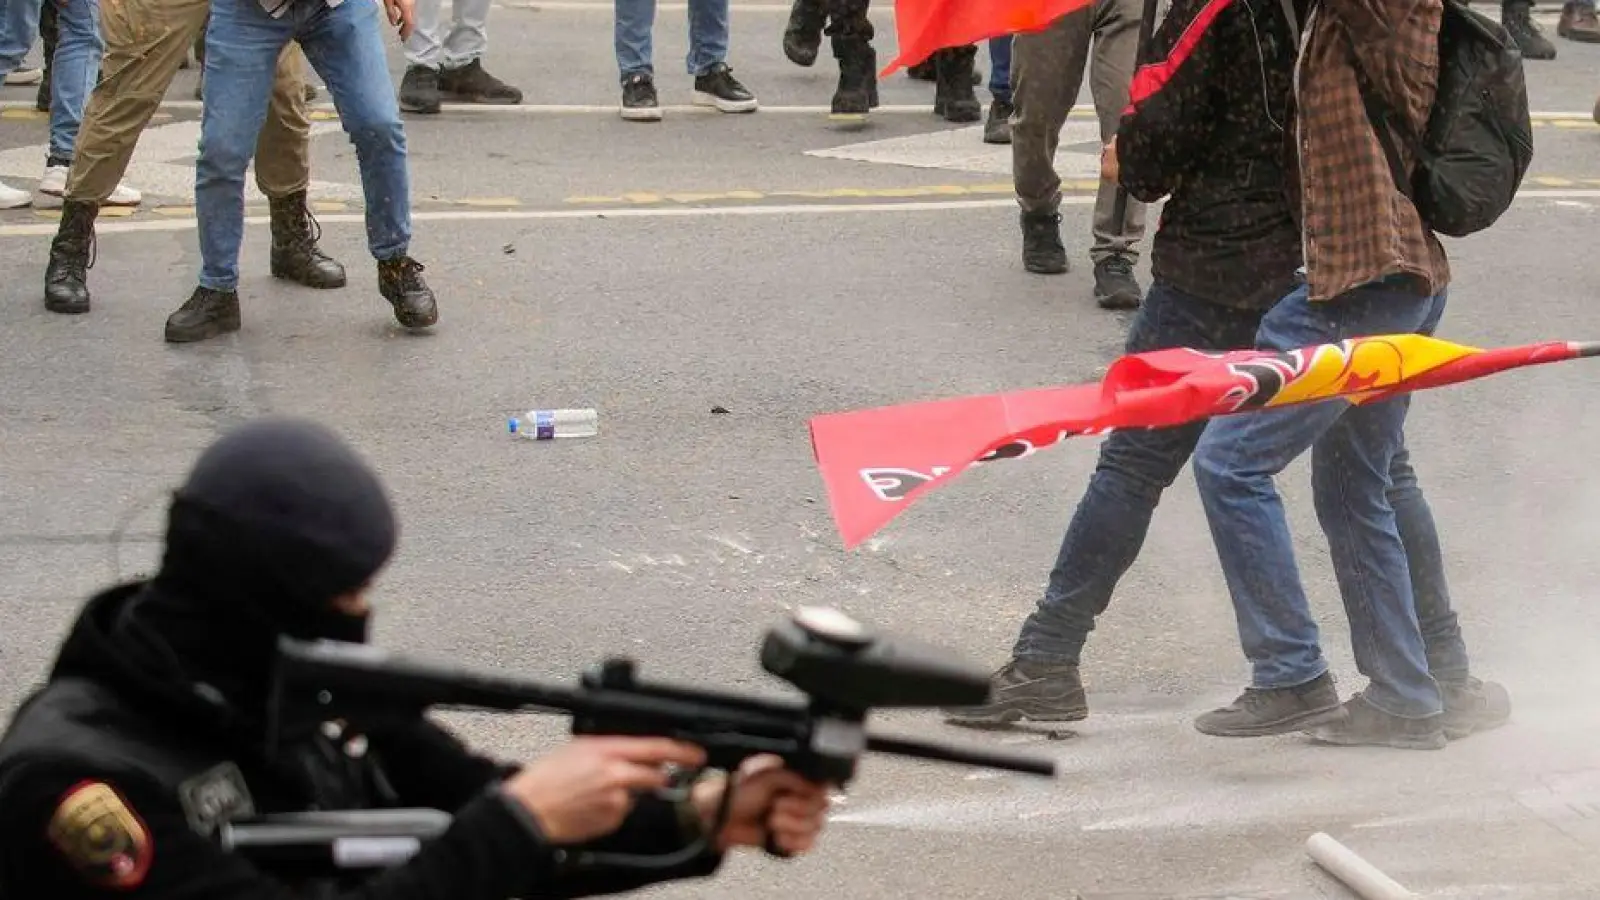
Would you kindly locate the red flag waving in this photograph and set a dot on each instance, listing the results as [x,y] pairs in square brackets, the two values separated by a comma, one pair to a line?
[875,462]
[923,27]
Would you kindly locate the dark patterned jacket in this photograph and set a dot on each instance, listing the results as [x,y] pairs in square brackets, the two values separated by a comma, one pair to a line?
[1206,127]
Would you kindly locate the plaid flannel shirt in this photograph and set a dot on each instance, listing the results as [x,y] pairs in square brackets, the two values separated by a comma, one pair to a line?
[1356,226]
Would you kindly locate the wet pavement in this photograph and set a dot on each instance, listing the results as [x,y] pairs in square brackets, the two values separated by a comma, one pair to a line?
[779,267]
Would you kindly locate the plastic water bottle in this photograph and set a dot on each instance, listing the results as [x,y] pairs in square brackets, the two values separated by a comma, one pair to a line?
[546,424]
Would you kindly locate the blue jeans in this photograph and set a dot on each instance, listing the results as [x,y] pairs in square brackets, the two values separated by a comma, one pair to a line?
[19,28]
[708,36]
[1353,449]
[74,70]
[1000,68]
[345,46]
[1108,528]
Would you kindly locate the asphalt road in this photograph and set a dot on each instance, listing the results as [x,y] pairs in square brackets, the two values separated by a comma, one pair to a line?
[656,271]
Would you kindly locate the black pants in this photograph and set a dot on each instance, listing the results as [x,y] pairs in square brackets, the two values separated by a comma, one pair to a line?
[847,18]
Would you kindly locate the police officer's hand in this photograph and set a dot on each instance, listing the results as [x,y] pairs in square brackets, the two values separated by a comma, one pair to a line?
[402,14]
[585,789]
[769,801]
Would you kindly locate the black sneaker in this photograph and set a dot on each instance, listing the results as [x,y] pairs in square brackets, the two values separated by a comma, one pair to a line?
[473,84]
[206,314]
[1365,725]
[1023,692]
[1472,706]
[717,87]
[997,129]
[639,100]
[419,90]
[1258,713]
[1114,284]
[1042,250]
[1518,21]
[400,282]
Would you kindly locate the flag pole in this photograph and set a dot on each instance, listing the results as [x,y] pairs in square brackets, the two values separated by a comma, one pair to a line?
[1141,55]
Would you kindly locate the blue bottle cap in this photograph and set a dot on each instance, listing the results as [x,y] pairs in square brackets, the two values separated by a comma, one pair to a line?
[511,424]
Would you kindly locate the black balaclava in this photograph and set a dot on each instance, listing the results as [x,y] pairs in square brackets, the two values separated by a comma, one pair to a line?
[276,520]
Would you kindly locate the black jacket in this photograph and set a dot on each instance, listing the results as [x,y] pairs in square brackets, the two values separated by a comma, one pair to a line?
[1205,127]
[167,764]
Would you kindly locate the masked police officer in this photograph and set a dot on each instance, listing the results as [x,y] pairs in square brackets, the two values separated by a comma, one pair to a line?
[116,776]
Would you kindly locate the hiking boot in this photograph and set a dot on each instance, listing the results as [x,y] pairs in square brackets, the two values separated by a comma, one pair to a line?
[857,78]
[717,87]
[1365,725]
[953,97]
[1517,17]
[66,277]
[400,282]
[802,37]
[295,254]
[1026,692]
[419,90]
[1114,284]
[1471,706]
[206,314]
[1258,713]
[639,102]
[1042,250]
[997,130]
[472,83]
[1578,23]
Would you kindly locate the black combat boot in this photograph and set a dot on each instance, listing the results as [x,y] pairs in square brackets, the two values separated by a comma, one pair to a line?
[857,78]
[953,97]
[1026,692]
[1517,17]
[1042,250]
[206,314]
[66,278]
[400,282]
[802,38]
[295,254]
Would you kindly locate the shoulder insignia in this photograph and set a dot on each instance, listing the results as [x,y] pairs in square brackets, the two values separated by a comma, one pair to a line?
[101,837]
[215,796]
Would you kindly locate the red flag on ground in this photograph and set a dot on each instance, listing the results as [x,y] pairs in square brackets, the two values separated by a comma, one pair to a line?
[923,27]
[875,462]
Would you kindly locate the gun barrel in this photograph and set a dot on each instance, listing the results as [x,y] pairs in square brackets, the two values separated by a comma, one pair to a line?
[991,759]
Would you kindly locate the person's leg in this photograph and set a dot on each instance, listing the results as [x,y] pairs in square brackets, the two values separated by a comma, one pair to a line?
[283,173]
[49,33]
[146,43]
[74,71]
[997,129]
[1116,241]
[19,28]
[714,84]
[1046,76]
[851,34]
[345,46]
[462,76]
[802,36]
[631,37]
[1108,529]
[424,52]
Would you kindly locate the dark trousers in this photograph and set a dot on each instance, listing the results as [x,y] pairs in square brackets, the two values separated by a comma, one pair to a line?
[1109,526]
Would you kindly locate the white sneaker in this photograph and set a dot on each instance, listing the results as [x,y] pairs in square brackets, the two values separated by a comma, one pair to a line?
[53,190]
[11,198]
[123,196]
[24,75]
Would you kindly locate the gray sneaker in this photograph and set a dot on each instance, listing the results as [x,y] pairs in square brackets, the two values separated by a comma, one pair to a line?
[1365,725]
[1026,692]
[1258,713]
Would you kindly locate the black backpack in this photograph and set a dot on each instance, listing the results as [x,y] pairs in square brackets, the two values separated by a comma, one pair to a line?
[1479,138]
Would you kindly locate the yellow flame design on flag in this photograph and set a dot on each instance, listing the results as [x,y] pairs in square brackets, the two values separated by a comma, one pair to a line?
[1356,368]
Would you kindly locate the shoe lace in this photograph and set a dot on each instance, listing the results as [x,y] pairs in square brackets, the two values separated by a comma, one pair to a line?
[1117,265]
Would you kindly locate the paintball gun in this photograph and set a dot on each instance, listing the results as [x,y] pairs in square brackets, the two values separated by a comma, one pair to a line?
[844,670]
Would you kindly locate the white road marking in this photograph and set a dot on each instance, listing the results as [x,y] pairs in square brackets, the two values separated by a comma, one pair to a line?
[961,150]
[163,164]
